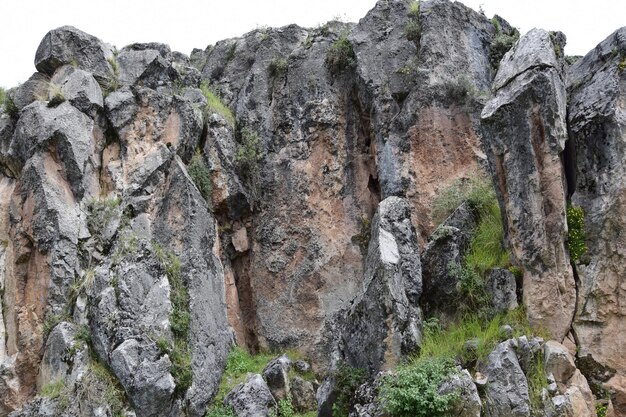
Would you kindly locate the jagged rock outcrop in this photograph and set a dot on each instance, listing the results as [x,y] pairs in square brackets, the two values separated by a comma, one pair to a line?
[145,226]
[102,226]
[525,132]
[596,126]
[384,323]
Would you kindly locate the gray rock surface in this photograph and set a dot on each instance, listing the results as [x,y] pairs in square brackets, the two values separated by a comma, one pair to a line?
[501,285]
[506,393]
[251,398]
[303,395]
[596,123]
[385,322]
[33,89]
[443,257]
[524,148]
[276,375]
[468,403]
[80,88]
[68,45]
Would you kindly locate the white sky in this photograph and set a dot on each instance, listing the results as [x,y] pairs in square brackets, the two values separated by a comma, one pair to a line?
[188,24]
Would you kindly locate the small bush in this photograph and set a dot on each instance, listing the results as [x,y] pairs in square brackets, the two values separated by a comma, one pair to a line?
[622,64]
[347,380]
[501,44]
[340,55]
[413,28]
[7,105]
[413,390]
[284,409]
[201,176]
[247,158]
[277,67]
[576,232]
[114,82]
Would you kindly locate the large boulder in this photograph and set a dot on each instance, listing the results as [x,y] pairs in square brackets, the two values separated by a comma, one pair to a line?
[525,131]
[597,124]
[251,398]
[68,45]
[276,374]
[468,403]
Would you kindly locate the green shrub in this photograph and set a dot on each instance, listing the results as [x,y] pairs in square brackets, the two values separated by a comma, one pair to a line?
[220,411]
[601,409]
[247,158]
[7,104]
[413,390]
[347,380]
[277,67]
[501,44]
[622,64]
[114,82]
[215,105]
[340,55]
[576,232]
[201,176]
[284,409]
[413,28]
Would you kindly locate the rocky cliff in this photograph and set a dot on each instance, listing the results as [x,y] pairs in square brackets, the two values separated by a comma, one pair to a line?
[321,191]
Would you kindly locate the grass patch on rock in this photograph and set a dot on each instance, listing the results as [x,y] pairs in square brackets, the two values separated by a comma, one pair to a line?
[215,105]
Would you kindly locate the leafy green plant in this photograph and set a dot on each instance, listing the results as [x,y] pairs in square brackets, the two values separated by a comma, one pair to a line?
[215,105]
[277,67]
[413,390]
[347,380]
[340,55]
[601,409]
[201,176]
[284,409]
[576,232]
[413,28]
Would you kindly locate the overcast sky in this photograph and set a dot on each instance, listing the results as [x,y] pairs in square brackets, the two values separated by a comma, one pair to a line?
[188,24]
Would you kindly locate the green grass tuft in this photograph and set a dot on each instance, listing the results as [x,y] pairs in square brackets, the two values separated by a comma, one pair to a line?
[277,67]
[413,28]
[215,105]
[53,389]
[220,411]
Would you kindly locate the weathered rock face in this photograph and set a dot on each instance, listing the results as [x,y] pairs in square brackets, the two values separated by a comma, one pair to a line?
[596,124]
[121,267]
[102,226]
[525,133]
[385,322]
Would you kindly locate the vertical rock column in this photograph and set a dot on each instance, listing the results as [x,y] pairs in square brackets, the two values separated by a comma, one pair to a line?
[524,136]
[597,123]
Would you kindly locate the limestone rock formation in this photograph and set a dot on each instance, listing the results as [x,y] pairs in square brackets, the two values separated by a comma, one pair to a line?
[596,123]
[525,132]
[277,191]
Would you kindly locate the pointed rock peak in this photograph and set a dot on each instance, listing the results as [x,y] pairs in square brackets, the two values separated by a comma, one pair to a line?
[537,48]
